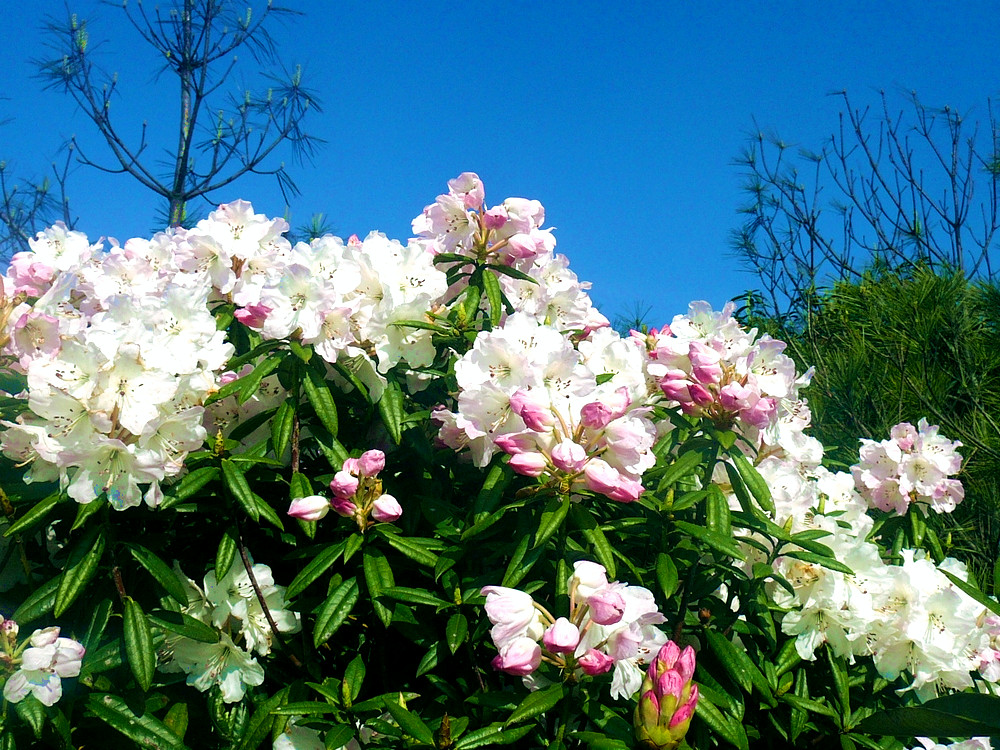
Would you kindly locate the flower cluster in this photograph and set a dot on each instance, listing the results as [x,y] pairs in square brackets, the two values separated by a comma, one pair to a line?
[120,351]
[233,606]
[526,390]
[41,663]
[711,366]
[357,493]
[509,235]
[667,699]
[610,626]
[913,466]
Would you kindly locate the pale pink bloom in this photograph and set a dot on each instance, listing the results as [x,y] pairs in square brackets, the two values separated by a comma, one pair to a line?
[606,605]
[588,578]
[521,656]
[469,188]
[705,363]
[495,217]
[569,456]
[516,442]
[529,464]
[562,637]
[512,613]
[252,316]
[386,509]
[344,484]
[595,662]
[371,463]
[311,508]
[344,506]
[535,413]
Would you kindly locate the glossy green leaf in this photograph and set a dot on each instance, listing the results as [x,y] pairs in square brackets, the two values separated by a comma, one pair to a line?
[354,676]
[415,596]
[390,408]
[456,631]
[666,574]
[410,723]
[725,545]
[551,519]
[603,550]
[494,296]
[281,426]
[956,715]
[321,399]
[80,569]
[238,487]
[537,703]
[144,731]
[259,726]
[334,611]
[161,573]
[495,734]
[225,553]
[754,481]
[183,624]
[316,567]
[189,485]
[138,643]
[251,382]
[38,603]
[38,513]
[378,577]
[32,712]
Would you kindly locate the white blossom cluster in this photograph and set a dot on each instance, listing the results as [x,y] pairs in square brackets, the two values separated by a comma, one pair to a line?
[511,235]
[120,351]
[232,606]
[914,465]
[575,413]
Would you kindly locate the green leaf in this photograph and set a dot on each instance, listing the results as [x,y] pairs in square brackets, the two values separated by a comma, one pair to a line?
[144,731]
[225,553]
[551,519]
[536,703]
[302,352]
[666,574]
[39,602]
[390,408]
[251,382]
[494,734]
[738,664]
[338,736]
[603,550]
[456,631]
[810,705]
[304,708]
[812,557]
[378,576]
[261,722]
[183,624]
[160,572]
[415,596]
[32,713]
[36,515]
[354,676]
[717,516]
[754,481]
[841,682]
[84,511]
[415,548]
[956,715]
[316,567]
[138,644]
[80,568]
[237,485]
[991,604]
[321,399]
[189,485]
[495,297]
[683,465]
[410,723]
[99,617]
[334,611]
[176,719]
[281,426]
[725,545]
[724,726]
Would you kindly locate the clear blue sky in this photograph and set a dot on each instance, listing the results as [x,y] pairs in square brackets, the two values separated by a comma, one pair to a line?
[621,118]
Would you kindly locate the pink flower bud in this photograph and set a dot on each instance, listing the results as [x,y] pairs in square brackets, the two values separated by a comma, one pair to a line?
[521,656]
[595,662]
[664,660]
[495,217]
[252,316]
[46,637]
[536,415]
[588,577]
[529,464]
[569,456]
[685,664]
[310,508]
[595,415]
[351,466]
[344,485]
[670,683]
[761,413]
[606,606]
[685,712]
[734,396]
[386,509]
[562,637]
[371,463]
[700,394]
[705,367]
[515,442]
[676,390]
[344,506]
[600,476]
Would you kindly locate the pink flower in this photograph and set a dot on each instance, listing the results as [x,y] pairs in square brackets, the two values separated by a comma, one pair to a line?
[344,484]
[386,509]
[705,367]
[606,606]
[595,662]
[521,656]
[512,613]
[252,316]
[588,577]
[536,414]
[344,506]
[495,217]
[562,637]
[310,508]
[515,442]
[569,456]
[371,463]
[529,464]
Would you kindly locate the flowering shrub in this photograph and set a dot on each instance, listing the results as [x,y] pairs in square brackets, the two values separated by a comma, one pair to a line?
[544,534]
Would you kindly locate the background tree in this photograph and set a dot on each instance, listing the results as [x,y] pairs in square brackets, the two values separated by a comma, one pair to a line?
[222,134]
[877,265]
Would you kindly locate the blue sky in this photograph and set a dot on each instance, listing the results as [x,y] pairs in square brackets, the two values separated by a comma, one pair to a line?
[623,119]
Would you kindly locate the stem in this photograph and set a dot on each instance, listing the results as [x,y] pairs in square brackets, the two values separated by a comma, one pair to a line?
[295,443]
[260,596]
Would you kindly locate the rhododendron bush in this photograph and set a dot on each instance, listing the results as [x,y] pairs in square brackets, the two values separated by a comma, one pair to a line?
[543,533]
